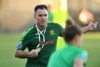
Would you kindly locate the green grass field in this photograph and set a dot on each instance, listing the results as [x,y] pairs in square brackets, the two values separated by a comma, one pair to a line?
[8,43]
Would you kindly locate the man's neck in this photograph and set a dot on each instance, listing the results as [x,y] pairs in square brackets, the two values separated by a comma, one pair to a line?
[73,43]
[41,27]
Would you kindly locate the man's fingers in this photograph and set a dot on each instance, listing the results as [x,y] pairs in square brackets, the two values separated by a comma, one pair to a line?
[95,26]
[38,49]
[92,20]
[96,22]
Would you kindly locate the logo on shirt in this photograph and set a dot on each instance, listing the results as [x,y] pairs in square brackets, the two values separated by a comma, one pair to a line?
[84,56]
[19,45]
[52,32]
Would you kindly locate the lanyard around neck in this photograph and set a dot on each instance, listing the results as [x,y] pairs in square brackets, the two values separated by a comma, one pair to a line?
[40,33]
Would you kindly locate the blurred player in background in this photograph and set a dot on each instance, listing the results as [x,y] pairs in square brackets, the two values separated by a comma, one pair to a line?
[72,55]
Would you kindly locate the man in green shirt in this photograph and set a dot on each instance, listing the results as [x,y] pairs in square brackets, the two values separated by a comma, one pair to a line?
[41,39]
[72,55]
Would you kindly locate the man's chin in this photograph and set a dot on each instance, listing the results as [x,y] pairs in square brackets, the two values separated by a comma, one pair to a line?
[43,24]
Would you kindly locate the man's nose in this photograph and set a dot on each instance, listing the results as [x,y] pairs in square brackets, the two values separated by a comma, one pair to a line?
[43,17]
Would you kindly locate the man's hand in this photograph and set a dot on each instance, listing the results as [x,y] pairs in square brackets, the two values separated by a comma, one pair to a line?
[34,52]
[92,25]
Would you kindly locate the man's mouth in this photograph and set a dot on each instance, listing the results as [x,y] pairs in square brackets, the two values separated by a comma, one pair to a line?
[43,21]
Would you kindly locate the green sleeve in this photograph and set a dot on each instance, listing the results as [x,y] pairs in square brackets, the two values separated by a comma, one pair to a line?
[24,40]
[60,29]
[83,55]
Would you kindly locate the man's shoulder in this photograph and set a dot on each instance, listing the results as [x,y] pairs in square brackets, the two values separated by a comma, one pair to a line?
[27,32]
[54,24]
[79,49]
[83,54]
[29,29]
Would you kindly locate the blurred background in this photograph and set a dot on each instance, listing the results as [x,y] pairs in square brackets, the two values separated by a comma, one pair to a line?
[18,15]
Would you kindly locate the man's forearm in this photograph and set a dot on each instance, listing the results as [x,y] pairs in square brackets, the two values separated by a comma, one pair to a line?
[21,54]
[85,29]
[32,53]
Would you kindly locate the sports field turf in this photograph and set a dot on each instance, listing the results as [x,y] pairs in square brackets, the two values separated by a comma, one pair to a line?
[8,43]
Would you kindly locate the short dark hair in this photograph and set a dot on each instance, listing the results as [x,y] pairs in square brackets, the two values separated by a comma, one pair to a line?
[40,7]
[71,31]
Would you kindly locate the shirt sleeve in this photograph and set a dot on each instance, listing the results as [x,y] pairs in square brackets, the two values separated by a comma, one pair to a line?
[60,30]
[24,40]
[83,55]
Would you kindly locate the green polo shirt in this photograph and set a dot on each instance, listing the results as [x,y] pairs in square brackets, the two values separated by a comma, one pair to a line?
[67,56]
[30,40]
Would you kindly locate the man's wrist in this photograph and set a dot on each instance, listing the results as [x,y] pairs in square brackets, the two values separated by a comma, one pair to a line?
[26,54]
[88,28]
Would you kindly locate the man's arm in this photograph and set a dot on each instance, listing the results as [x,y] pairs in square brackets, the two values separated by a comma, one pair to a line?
[92,26]
[78,63]
[23,54]
[85,29]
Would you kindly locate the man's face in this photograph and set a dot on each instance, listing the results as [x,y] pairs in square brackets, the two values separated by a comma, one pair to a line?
[41,16]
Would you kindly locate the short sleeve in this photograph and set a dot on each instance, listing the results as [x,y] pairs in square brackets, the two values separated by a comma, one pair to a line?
[24,40]
[60,29]
[83,55]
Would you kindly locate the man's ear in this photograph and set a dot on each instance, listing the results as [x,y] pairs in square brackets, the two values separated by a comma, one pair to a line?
[76,38]
[34,16]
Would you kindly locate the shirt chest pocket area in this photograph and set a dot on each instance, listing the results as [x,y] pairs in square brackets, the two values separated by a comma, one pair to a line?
[34,42]
[51,35]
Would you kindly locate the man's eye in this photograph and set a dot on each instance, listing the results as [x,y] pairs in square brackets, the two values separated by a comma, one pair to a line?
[40,15]
[45,15]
